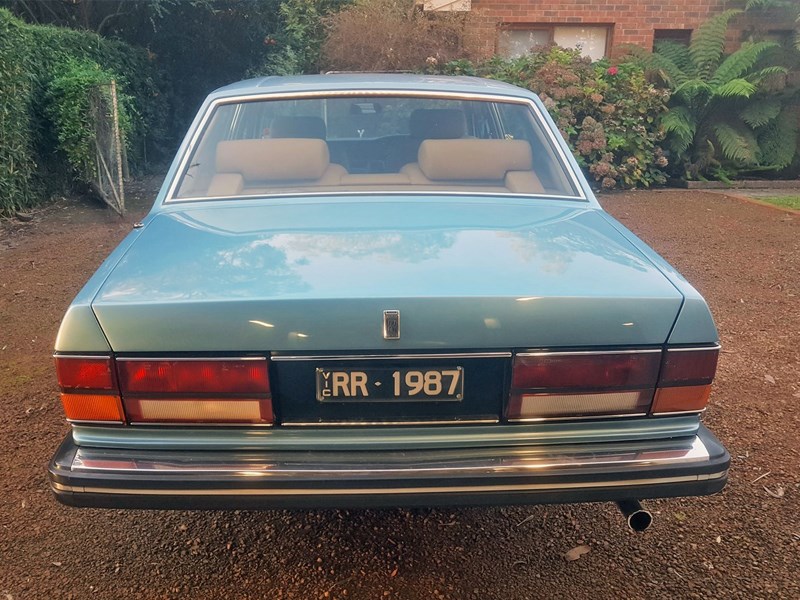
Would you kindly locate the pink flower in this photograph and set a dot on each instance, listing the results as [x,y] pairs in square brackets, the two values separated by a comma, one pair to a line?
[612,70]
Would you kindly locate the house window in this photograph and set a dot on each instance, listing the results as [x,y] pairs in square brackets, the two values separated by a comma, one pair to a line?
[591,40]
[677,36]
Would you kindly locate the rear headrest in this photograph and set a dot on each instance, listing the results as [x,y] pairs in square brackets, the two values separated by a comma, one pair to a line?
[268,159]
[473,159]
[297,127]
[437,123]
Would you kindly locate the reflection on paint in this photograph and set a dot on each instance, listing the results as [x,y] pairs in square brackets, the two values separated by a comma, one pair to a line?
[262,323]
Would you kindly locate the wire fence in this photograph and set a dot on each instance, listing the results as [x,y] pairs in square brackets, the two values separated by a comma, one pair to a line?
[112,160]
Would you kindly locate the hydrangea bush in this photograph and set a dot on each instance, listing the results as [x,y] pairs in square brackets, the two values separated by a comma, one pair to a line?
[609,114]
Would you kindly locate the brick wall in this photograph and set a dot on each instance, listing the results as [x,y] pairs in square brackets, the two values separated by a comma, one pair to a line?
[630,22]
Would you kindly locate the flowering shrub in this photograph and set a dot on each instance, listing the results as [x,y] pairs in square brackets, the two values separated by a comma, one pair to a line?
[607,113]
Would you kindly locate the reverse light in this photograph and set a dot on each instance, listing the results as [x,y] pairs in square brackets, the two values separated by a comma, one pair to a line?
[198,391]
[88,389]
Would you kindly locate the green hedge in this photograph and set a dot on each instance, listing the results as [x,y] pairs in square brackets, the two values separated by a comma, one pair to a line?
[31,58]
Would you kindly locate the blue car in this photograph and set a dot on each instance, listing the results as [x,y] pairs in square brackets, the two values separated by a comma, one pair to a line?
[382,290]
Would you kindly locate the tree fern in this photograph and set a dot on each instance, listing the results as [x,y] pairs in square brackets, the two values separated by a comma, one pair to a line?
[778,140]
[708,42]
[693,90]
[675,52]
[680,126]
[735,88]
[740,62]
[758,114]
[737,143]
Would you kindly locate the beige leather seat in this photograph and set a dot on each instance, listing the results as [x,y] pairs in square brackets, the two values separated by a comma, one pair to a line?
[504,164]
[253,166]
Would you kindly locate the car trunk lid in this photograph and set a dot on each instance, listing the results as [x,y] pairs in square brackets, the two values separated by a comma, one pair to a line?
[316,276]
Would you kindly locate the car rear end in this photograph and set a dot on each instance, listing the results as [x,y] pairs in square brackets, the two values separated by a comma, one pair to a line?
[369,321]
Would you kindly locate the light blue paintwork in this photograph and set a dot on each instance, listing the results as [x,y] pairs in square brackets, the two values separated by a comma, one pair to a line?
[316,274]
[286,274]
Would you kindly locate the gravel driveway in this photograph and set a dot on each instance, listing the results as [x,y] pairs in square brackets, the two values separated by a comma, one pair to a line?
[742,543]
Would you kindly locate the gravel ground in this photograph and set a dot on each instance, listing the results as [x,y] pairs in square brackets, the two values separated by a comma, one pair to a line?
[742,543]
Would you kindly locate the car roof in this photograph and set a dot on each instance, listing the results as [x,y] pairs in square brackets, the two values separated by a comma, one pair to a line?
[368,81]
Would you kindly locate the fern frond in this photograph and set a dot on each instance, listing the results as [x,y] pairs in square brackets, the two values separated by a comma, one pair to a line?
[759,76]
[735,88]
[708,42]
[755,4]
[740,62]
[778,140]
[738,144]
[680,126]
[760,112]
[675,52]
[693,90]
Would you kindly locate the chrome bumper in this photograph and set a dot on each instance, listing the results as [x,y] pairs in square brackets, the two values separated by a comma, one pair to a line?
[114,478]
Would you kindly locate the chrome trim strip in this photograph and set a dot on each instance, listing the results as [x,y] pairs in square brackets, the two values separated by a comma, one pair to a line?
[695,348]
[187,358]
[385,491]
[586,352]
[679,413]
[513,462]
[576,418]
[409,192]
[170,196]
[387,423]
[100,355]
[282,358]
[83,422]
[192,425]
[453,436]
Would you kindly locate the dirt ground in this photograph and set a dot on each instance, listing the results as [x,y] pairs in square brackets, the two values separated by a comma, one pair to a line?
[742,543]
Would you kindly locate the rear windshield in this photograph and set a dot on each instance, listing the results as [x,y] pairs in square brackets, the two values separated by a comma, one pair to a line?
[373,144]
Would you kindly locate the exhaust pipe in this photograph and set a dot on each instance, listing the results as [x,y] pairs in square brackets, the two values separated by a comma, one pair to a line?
[637,517]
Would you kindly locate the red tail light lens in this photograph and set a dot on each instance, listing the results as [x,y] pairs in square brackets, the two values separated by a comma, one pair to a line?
[88,389]
[196,391]
[194,376]
[585,370]
[548,385]
[685,382]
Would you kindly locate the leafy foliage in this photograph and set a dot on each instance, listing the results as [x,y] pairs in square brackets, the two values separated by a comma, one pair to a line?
[31,57]
[393,35]
[17,185]
[607,113]
[69,110]
[299,43]
[723,107]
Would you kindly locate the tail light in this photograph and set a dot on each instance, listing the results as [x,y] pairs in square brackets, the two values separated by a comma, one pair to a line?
[88,389]
[230,391]
[685,382]
[547,385]
[196,391]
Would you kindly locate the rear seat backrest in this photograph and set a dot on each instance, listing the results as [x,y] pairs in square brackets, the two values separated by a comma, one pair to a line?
[244,163]
[473,159]
[505,163]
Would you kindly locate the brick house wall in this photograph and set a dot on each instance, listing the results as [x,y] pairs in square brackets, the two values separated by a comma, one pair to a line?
[628,21]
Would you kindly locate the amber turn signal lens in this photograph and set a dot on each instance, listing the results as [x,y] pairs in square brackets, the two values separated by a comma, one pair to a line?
[92,407]
[689,398]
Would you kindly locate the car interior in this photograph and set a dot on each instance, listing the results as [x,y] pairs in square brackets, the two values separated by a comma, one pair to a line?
[444,149]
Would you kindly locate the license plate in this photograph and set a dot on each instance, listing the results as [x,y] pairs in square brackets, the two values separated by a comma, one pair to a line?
[384,385]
